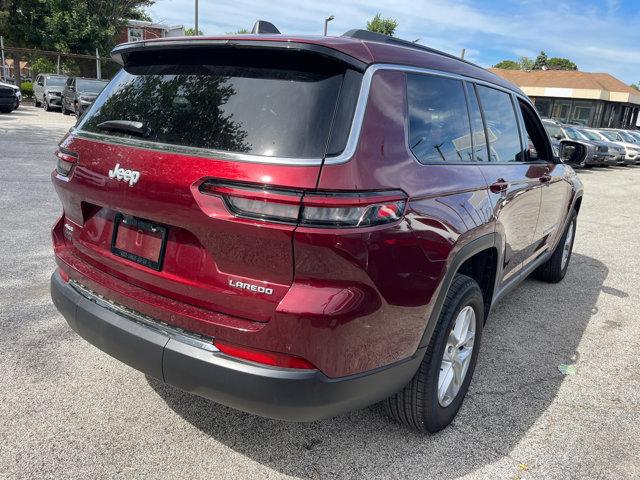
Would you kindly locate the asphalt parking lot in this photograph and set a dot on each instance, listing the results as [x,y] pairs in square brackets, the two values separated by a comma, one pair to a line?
[68,410]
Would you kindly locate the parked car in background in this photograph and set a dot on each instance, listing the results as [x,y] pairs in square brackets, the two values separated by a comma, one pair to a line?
[306,226]
[16,91]
[79,93]
[635,134]
[615,153]
[632,149]
[554,132]
[47,90]
[8,99]
[596,151]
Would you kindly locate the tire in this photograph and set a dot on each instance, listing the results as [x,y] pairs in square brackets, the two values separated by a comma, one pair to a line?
[46,106]
[36,102]
[6,110]
[418,405]
[65,111]
[554,269]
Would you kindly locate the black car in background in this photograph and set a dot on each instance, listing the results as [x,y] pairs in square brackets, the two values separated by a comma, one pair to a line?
[8,99]
[79,93]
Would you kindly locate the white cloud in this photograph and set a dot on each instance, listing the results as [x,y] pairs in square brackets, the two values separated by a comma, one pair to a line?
[595,37]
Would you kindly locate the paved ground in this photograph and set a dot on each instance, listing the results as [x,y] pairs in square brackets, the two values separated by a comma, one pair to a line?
[69,411]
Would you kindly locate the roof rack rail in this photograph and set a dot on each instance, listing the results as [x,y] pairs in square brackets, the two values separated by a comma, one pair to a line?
[379,37]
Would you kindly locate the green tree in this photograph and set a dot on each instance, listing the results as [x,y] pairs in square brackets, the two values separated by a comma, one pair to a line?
[508,65]
[540,62]
[190,32]
[240,31]
[526,63]
[42,65]
[68,25]
[558,63]
[385,26]
[22,23]
[635,85]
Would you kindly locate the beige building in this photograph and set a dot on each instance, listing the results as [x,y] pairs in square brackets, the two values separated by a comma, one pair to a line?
[571,96]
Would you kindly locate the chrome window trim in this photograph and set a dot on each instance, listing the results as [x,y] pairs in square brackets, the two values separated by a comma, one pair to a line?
[352,140]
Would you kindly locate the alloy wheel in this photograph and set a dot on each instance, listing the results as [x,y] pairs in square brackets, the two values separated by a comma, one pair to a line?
[457,356]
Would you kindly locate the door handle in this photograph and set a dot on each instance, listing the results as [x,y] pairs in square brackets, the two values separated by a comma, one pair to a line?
[500,185]
[545,178]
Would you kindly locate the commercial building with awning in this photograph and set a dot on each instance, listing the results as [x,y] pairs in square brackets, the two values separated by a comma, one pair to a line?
[571,96]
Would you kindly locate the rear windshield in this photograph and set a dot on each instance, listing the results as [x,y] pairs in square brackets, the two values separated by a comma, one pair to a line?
[90,86]
[266,103]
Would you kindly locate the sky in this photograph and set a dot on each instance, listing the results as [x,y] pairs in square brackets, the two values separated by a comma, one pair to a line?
[599,36]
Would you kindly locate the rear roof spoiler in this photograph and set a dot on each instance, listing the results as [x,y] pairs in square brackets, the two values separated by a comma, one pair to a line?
[120,53]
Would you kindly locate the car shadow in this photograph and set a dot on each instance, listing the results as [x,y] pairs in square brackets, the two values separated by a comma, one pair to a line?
[529,334]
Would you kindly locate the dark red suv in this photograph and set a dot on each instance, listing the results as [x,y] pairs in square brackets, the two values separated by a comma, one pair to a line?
[301,226]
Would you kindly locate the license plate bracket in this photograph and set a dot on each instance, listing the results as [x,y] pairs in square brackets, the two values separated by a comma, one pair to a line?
[139,240]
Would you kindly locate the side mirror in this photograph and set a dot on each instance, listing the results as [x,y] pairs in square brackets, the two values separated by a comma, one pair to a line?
[572,153]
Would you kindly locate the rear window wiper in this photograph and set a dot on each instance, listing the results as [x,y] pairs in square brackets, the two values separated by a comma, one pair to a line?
[126,126]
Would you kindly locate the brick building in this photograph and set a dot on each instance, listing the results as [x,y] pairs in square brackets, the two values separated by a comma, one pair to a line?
[140,30]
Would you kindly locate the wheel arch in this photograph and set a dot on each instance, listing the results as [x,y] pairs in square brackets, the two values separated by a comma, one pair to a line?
[478,259]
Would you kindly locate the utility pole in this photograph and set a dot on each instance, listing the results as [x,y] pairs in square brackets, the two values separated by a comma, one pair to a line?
[326,23]
[462,53]
[4,67]
[98,71]
[196,17]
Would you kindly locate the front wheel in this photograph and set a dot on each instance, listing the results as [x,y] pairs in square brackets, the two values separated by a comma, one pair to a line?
[433,397]
[554,269]
[47,107]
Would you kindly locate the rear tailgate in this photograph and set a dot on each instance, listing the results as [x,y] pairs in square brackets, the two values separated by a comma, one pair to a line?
[244,118]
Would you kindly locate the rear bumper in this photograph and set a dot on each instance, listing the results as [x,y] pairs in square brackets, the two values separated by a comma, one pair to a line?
[196,366]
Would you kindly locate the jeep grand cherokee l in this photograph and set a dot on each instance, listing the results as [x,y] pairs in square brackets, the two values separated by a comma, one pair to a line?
[300,226]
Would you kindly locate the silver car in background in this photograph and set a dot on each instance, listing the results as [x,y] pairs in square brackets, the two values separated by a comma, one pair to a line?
[615,154]
[47,90]
[632,149]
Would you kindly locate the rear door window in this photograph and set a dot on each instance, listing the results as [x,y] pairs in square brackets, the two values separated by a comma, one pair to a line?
[502,125]
[267,103]
[439,129]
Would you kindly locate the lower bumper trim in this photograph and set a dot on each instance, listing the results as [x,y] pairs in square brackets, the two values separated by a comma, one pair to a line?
[280,393]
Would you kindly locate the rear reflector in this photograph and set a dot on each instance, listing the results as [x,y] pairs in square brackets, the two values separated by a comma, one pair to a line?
[264,357]
[65,162]
[312,209]
[63,275]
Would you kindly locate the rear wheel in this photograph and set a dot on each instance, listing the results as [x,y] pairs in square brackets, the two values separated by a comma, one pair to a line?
[36,102]
[433,397]
[65,111]
[554,269]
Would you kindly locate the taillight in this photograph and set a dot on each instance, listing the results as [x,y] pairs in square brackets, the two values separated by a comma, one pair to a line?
[264,357]
[313,209]
[65,162]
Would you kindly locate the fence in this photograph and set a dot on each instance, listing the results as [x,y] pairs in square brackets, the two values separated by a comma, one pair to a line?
[33,61]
